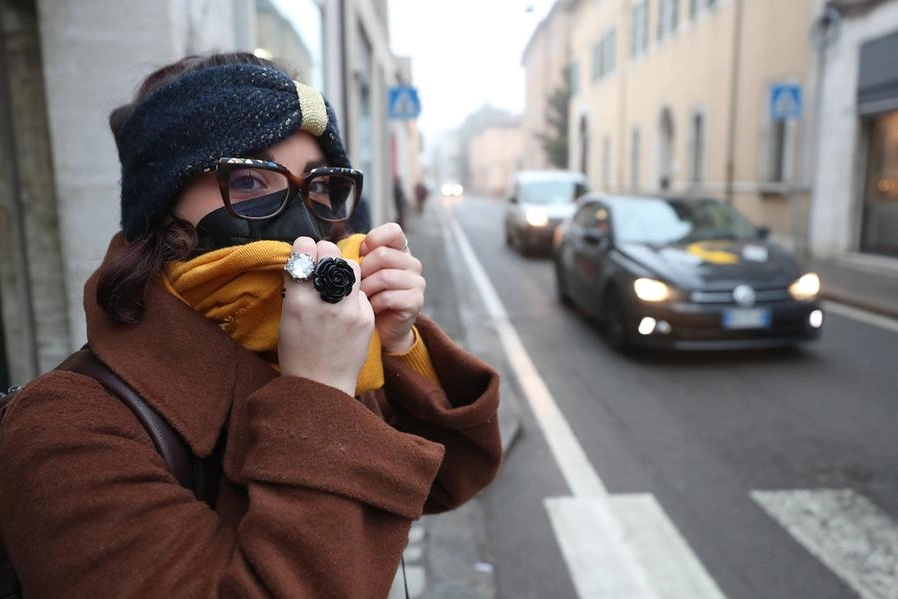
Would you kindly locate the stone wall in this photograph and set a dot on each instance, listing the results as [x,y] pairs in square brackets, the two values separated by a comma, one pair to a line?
[33,288]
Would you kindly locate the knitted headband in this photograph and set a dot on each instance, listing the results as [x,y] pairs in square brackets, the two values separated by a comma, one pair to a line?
[184,127]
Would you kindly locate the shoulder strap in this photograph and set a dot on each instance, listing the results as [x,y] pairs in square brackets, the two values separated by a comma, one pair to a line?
[169,444]
[6,399]
[192,473]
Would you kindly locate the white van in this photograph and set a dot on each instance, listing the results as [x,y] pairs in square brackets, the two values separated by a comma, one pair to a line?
[537,203]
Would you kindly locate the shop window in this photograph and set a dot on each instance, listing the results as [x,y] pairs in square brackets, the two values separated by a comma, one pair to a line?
[879,233]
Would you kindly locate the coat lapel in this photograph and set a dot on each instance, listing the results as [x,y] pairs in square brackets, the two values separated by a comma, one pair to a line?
[181,363]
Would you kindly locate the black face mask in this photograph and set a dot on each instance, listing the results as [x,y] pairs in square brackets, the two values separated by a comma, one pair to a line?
[219,229]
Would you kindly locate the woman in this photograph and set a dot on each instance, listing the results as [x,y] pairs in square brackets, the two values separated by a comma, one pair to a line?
[344,413]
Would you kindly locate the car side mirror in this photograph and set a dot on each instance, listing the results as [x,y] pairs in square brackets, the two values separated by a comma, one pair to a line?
[763,232]
[594,237]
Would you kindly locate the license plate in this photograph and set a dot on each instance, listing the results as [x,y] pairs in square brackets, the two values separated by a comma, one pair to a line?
[753,318]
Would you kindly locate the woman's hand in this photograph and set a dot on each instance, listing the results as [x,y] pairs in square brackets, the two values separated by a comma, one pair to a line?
[391,278]
[318,340]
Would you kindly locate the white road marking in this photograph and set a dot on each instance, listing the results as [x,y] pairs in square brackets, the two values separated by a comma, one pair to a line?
[845,531]
[601,560]
[877,320]
[593,547]
[654,540]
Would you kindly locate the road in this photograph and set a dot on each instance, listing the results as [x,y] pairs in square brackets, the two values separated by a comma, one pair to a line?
[745,475]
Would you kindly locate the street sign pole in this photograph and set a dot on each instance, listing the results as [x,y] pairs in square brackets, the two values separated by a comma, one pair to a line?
[786,106]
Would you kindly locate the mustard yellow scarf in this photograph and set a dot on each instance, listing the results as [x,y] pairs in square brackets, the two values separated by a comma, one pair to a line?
[240,289]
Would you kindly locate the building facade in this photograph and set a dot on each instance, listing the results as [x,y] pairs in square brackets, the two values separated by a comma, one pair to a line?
[546,59]
[675,95]
[66,64]
[495,155]
[855,171]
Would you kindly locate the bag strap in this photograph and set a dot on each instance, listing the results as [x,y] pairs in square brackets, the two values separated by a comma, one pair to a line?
[200,476]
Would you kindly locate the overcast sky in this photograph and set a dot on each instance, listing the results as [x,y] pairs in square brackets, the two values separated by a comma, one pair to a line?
[465,53]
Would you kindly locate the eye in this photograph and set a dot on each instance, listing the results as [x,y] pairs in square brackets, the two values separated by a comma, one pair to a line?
[319,186]
[246,181]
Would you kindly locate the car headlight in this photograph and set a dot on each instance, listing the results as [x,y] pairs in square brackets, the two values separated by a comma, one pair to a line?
[806,287]
[536,218]
[650,290]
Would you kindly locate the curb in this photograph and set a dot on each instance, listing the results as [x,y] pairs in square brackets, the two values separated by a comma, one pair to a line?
[850,299]
[455,562]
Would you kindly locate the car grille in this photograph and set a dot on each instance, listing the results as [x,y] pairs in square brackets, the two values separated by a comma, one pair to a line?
[762,296]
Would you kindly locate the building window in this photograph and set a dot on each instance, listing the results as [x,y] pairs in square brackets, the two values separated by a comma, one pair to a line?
[603,55]
[693,9]
[575,78]
[635,150]
[639,38]
[667,17]
[711,3]
[598,63]
[879,233]
[606,163]
[697,148]
[610,52]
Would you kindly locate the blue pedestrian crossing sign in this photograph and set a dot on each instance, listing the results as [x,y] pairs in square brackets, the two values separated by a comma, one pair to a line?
[404,103]
[785,101]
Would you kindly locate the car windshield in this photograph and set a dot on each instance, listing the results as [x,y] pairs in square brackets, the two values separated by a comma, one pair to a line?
[548,192]
[660,221]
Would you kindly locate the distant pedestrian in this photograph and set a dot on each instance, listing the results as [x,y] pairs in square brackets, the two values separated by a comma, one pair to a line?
[399,201]
[421,194]
[296,364]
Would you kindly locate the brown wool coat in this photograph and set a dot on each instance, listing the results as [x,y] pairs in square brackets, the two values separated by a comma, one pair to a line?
[318,489]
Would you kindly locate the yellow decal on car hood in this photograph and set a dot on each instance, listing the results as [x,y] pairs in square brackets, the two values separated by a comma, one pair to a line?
[712,252]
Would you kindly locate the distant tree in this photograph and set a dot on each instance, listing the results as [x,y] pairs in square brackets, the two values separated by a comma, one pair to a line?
[555,140]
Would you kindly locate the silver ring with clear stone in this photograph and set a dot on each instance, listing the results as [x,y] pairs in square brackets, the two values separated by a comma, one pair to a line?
[300,266]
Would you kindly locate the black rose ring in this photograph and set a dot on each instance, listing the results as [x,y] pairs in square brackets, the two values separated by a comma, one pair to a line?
[333,278]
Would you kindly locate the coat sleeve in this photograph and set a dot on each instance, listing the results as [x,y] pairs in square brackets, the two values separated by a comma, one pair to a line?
[88,508]
[460,413]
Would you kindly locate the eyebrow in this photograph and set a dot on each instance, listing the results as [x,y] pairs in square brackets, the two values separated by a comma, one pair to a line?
[266,155]
[262,155]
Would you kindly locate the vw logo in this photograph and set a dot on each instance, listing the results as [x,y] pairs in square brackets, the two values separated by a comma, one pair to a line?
[744,295]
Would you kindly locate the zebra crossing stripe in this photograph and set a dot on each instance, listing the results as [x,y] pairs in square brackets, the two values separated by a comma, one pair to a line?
[845,531]
[654,539]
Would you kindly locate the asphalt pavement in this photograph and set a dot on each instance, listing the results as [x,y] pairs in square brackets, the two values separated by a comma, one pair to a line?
[448,556]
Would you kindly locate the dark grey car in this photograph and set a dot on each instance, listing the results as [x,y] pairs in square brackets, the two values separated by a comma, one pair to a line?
[682,273]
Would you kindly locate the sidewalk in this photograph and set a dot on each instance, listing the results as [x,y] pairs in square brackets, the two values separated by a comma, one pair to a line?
[864,282]
[446,556]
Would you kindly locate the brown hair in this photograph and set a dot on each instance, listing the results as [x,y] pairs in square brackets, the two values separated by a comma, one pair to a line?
[124,278]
